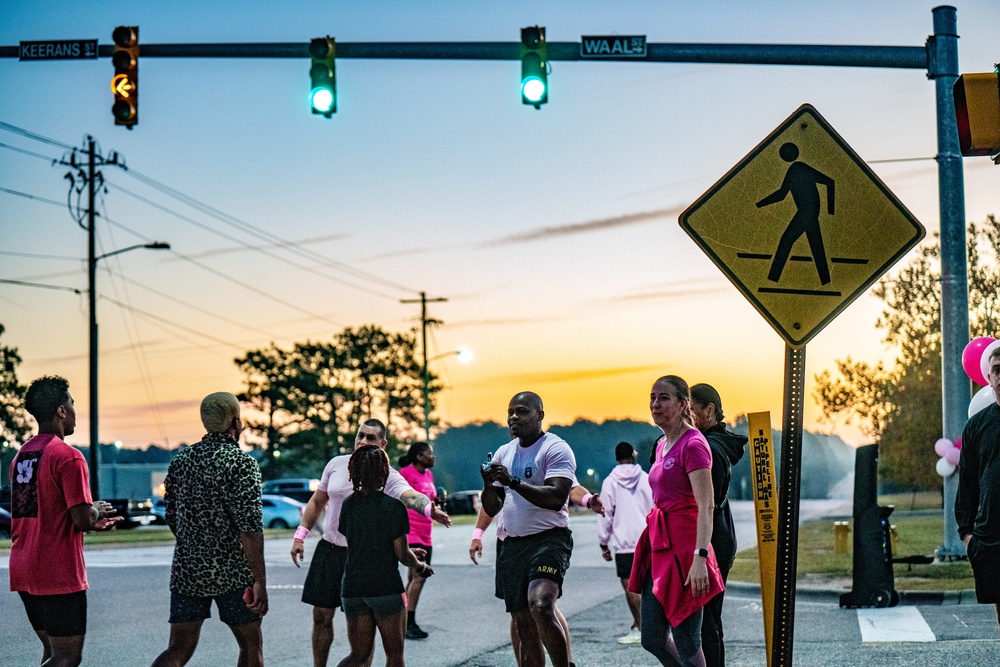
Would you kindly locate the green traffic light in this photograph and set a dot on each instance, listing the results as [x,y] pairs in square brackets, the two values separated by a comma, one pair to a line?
[321,100]
[533,89]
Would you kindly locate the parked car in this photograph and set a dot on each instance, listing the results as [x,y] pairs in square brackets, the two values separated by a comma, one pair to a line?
[301,489]
[4,524]
[158,508]
[281,512]
[463,502]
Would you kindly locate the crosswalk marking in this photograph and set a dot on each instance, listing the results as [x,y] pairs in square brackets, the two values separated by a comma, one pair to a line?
[894,624]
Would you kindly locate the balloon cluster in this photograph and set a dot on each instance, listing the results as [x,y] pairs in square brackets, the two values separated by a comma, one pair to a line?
[949,452]
[975,361]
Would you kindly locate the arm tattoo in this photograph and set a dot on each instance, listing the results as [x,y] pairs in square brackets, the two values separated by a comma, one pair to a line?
[415,501]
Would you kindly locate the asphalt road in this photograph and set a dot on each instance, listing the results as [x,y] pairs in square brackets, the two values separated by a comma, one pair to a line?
[129,599]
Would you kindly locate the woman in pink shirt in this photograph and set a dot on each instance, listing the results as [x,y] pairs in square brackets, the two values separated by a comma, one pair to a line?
[415,468]
[675,568]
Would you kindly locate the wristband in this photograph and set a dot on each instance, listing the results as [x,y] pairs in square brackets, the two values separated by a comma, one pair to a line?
[301,533]
[427,510]
[477,534]
[585,501]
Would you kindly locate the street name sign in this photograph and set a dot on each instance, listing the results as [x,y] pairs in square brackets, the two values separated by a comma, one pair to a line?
[60,49]
[801,226]
[613,47]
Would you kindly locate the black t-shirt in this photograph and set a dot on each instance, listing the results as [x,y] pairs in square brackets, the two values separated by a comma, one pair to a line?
[977,505]
[371,523]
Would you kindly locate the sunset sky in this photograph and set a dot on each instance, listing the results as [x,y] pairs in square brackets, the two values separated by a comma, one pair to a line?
[552,233]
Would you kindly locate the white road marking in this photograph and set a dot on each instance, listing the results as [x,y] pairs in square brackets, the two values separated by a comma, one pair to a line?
[894,624]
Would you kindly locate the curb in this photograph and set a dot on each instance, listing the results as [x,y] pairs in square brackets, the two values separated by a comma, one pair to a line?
[908,598]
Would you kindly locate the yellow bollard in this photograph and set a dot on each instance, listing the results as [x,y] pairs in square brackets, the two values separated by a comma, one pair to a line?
[841,530]
[893,536]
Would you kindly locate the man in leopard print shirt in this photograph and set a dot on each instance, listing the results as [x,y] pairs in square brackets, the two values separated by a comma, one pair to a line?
[213,506]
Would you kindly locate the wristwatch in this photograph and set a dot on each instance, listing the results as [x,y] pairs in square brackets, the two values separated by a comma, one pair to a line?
[701,552]
[515,482]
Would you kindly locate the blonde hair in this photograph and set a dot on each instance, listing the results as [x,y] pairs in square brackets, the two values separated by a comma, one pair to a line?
[218,411]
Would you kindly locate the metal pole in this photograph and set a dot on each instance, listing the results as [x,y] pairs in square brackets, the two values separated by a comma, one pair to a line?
[92,292]
[943,68]
[783,633]
[427,399]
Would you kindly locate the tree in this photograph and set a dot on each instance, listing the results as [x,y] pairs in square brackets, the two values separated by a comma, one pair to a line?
[306,402]
[13,426]
[900,407]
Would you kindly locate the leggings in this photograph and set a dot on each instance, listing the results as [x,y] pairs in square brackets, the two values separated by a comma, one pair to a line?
[673,647]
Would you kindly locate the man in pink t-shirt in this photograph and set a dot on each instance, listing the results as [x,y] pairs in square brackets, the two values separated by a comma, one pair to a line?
[415,467]
[51,509]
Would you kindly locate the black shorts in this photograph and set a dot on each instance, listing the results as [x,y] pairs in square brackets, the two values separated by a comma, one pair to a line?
[544,555]
[326,573]
[623,564]
[425,547]
[232,609]
[984,556]
[57,615]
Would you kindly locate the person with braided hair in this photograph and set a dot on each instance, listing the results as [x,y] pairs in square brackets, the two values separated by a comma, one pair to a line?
[376,528]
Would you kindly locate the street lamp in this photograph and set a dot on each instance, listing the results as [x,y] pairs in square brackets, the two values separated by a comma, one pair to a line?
[92,261]
[465,356]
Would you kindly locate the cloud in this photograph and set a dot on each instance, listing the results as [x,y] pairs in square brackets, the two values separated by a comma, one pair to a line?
[575,375]
[544,233]
[268,246]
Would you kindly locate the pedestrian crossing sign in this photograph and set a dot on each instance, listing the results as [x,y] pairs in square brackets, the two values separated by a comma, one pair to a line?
[802,226]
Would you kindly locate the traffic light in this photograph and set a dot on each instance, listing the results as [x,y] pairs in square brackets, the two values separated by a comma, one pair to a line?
[534,61]
[323,92]
[977,110]
[125,85]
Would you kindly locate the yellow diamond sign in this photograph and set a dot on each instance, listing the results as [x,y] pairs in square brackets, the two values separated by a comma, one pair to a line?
[802,226]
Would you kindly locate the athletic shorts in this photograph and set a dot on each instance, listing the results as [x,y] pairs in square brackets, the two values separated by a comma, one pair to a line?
[326,572]
[497,584]
[379,606]
[623,564]
[984,556]
[425,547]
[57,615]
[232,609]
[544,555]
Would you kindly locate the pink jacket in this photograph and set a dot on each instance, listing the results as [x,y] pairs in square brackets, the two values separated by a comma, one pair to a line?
[666,550]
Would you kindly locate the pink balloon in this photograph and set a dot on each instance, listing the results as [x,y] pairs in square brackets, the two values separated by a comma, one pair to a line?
[942,446]
[958,443]
[972,355]
[952,456]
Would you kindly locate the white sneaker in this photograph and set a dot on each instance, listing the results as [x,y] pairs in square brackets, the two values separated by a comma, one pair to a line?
[633,637]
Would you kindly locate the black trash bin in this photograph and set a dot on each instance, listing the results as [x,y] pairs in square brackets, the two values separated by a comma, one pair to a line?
[873,584]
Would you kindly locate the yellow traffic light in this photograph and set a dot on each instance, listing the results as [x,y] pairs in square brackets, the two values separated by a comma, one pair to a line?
[125,83]
[977,110]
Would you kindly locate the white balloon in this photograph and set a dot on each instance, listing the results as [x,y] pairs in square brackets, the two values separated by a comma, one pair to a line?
[944,468]
[981,400]
[984,364]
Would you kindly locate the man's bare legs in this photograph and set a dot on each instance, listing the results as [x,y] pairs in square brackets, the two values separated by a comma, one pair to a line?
[633,600]
[322,635]
[61,651]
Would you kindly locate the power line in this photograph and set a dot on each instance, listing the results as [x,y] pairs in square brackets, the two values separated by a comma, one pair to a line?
[32,135]
[265,235]
[244,244]
[27,152]
[235,281]
[60,204]
[31,255]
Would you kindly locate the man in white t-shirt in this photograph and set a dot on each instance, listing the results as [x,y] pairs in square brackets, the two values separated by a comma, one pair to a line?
[322,585]
[529,479]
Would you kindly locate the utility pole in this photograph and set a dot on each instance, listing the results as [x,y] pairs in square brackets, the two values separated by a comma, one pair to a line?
[86,177]
[424,323]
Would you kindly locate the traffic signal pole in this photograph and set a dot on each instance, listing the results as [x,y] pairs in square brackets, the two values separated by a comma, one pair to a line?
[938,57]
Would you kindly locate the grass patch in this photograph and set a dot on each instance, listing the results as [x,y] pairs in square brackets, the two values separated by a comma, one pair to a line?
[919,500]
[818,563]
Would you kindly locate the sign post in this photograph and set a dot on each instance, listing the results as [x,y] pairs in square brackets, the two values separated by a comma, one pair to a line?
[765,505]
[802,227]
